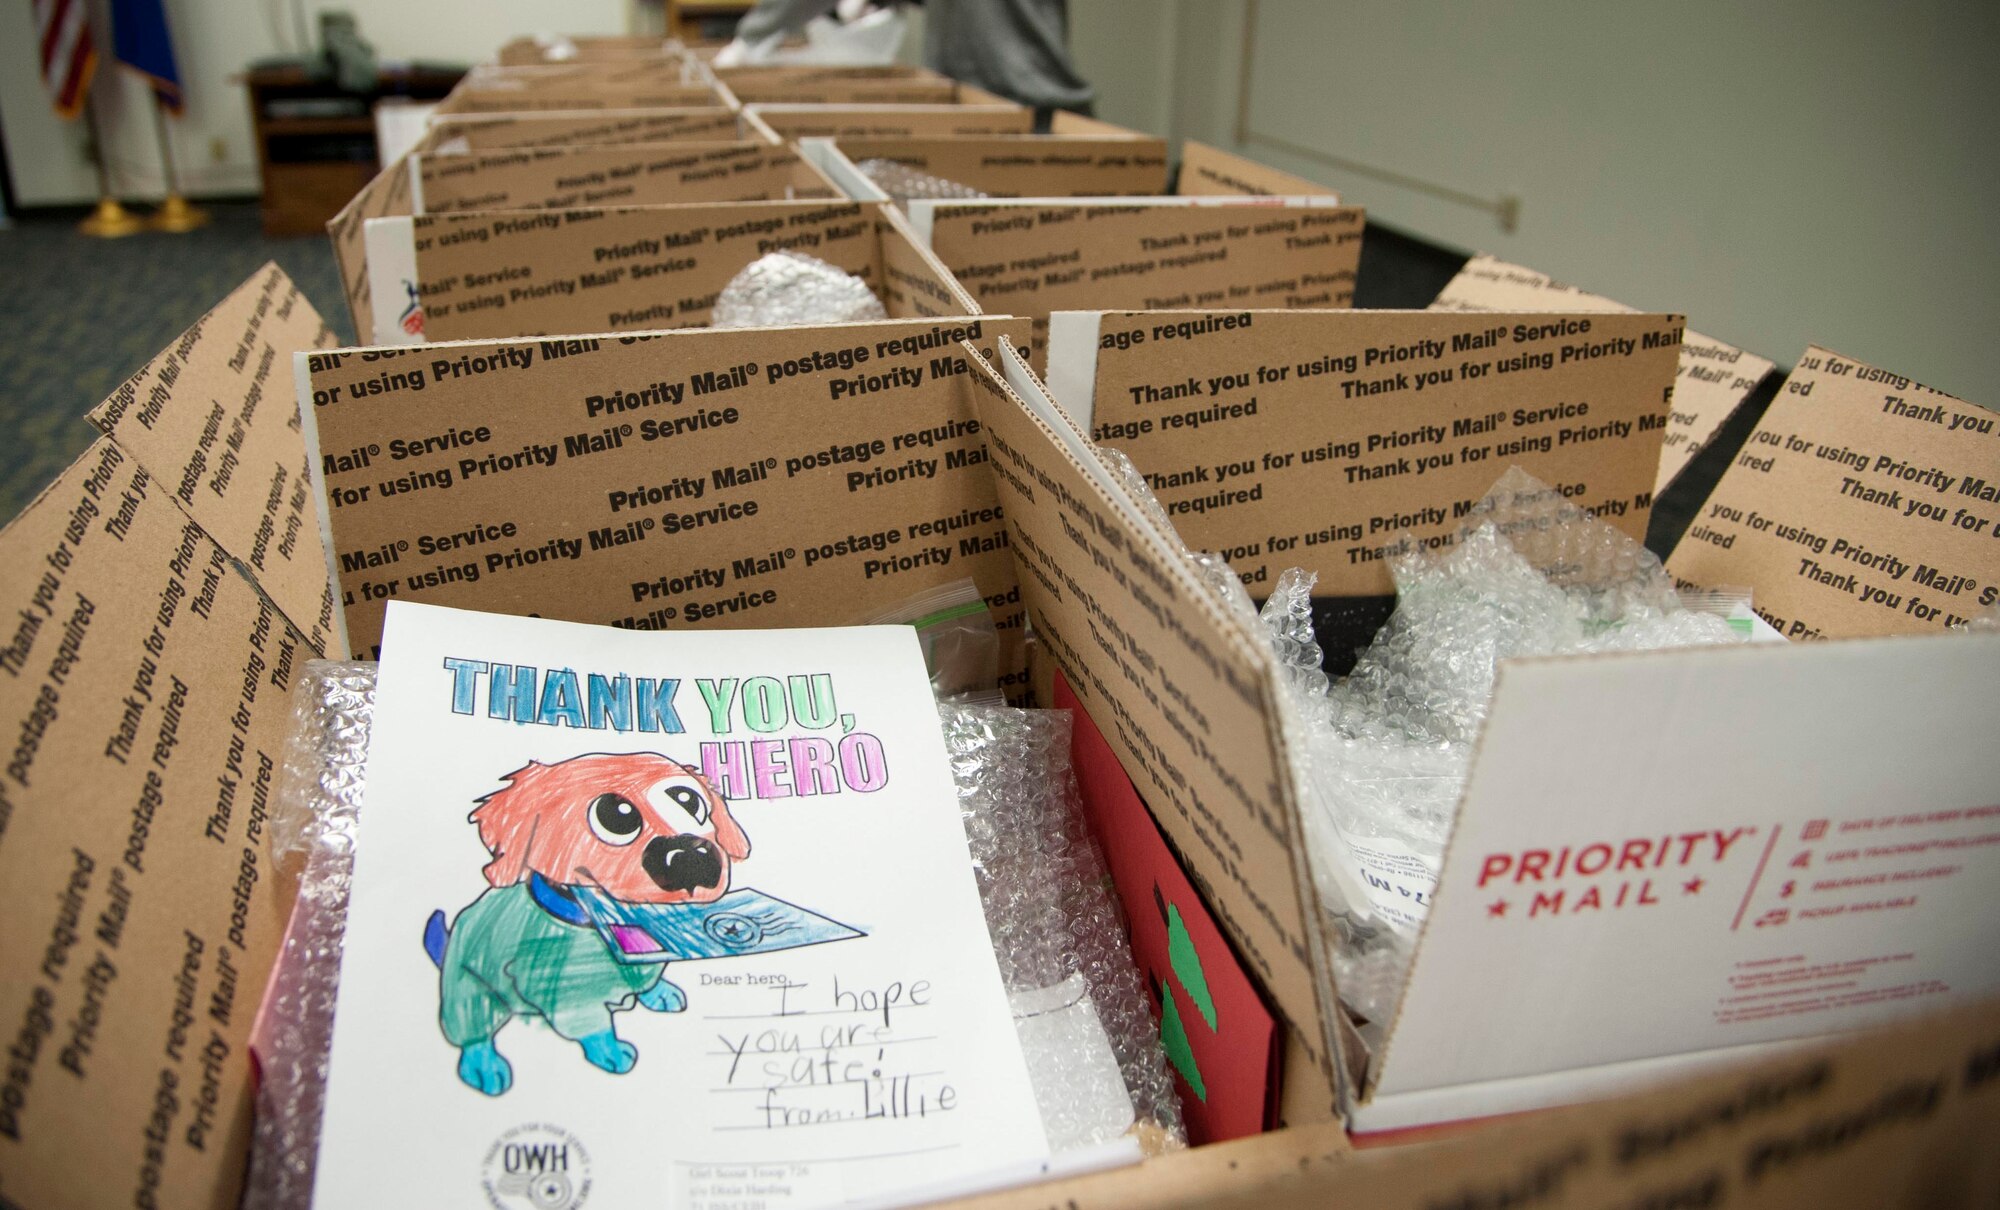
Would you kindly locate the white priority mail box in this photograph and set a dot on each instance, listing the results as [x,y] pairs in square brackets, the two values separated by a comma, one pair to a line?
[1662,860]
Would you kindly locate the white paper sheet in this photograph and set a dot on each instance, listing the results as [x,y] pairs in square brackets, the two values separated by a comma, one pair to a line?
[878,1056]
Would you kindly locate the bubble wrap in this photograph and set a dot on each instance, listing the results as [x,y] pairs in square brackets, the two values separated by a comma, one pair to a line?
[789,289]
[902,182]
[1056,929]
[314,811]
[1049,904]
[1387,750]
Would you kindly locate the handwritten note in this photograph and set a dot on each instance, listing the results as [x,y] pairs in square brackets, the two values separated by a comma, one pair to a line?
[643,917]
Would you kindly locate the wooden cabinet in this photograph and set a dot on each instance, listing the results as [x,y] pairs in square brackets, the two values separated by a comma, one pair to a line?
[316,142]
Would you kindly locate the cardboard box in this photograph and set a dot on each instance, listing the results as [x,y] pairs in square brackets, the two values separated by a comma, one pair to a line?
[560,174]
[589,127]
[1319,439]
[1036,255]
[1050,165]
[1863,503]
[160,594]
[1619,846]
[793,122]
[1897,1117]
[1713,381]
[635,84]
[894,84]
[659,481]
[480,274]
[627,174]
[564,48]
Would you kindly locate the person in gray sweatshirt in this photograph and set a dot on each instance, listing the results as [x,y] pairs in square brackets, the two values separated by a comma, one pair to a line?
[1016,48]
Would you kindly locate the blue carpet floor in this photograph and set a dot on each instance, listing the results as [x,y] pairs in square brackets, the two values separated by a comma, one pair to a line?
[78,316]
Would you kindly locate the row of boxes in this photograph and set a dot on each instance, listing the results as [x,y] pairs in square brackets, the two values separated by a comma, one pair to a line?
[541,423]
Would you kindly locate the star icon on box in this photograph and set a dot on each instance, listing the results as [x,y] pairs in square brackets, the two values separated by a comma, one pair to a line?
[1692,886]
[1497,908]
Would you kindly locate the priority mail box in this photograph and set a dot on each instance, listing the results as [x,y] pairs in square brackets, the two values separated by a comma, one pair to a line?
[1714,378]
[459,132]
[1036,255]
[1663,863]
[559,176]
[567,48]
[1863,503]
[660,480]
[655,88]
[892,84]
[490,273]
[147,681]
[1326,439]
[1050,165]
[794,121]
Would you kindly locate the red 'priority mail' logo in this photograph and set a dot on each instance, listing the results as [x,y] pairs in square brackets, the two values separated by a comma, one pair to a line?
[1604,875]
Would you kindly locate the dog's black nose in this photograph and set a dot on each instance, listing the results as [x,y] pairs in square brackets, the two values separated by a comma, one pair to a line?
[682,863]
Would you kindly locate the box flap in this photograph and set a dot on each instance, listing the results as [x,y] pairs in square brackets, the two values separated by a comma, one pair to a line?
[1030,165]
[485,132]
[1318,439]
[1032,256]
[145,686]
[214,418]
[489,274]
[1184,693]
[1818,868]
[1712,381]
[1864,503]
[548,178]
[793,122]
[1210,171]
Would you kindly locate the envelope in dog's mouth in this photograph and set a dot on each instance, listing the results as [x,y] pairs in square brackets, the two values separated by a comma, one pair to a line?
[742,922]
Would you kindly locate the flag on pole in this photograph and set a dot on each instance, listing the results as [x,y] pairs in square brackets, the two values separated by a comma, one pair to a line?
[69,56]
[140,41]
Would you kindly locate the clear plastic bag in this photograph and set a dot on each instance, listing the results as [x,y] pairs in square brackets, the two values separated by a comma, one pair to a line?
[961,645]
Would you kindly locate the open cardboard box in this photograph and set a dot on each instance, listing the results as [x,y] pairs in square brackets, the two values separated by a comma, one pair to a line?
[558,162]
[639,85]
[591,127]
[793,121]
[586,48]
[168,586]
[1036,255]
[1739,818]
[1714,379]
[1030,165]
[894,84]
[476,274]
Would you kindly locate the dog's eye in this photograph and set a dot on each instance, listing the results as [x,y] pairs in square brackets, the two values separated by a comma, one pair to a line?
[689,799]
[614,820]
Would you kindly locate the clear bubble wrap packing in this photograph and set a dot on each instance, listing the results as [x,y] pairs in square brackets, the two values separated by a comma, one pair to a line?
[317,805]
[790,289]
[902,182]
[1056,926]
[1056,929]
[1388,748]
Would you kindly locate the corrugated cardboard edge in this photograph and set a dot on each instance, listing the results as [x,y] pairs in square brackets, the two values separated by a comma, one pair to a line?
[1329,1042]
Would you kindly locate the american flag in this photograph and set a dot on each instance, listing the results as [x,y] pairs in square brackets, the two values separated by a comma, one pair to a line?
[69,57]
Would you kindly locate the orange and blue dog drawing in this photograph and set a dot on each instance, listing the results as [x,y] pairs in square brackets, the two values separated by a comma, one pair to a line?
[605,867]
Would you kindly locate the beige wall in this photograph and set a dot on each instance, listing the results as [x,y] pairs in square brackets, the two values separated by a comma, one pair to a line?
[214,40]
[1783,172]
